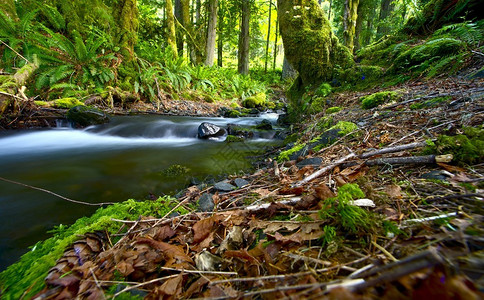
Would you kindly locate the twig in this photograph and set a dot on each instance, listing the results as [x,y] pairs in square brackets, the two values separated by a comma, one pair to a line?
[11,95]
[200,272]
[415,132]
[324,170]
[172,210]
[97,283]
[14,51]
[426,159]
[392,149]
[318,261]
[143,283]
[54,194]
[444,216]
[384,251]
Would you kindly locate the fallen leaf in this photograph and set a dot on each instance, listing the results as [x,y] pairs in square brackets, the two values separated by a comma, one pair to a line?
[172,286]
[394,191]
[323,192]
[202,228]
[125,268]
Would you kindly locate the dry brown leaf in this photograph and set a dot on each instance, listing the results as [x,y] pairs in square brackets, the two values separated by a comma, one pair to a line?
[451,168]
[292,191]
[125,268]
[172,286]
[202,228]
[394,191]
[261,192]
[197,286]
[176,256]
[162,233]
[323,192]
[353,173]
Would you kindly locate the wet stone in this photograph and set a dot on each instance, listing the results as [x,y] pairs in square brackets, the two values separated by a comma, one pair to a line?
[240,182]
[314,161]
[205,203]
[224,186]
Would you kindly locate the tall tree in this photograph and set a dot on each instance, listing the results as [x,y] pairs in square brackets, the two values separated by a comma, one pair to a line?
[220,41]
[170,27]
[275,45]
[386,9]
[309,44]
[268,35]
[349,22]
[243,53]
[211,32]
[125,12]
[179,33]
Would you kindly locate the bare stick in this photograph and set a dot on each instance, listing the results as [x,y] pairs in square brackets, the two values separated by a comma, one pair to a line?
[54,194]
[324,170]
[14,51]
[200,272]
[393,149]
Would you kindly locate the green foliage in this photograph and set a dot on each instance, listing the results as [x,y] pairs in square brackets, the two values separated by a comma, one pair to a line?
[467,148]
[333,109]
[344,215]
[378,98]
[67,102]
[27,275]
[329,234]
[323,90]
[469,32]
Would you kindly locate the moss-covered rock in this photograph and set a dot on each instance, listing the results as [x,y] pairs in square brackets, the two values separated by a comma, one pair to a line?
[255,101]
[345,127]
[467,148]
[290,153]
[234,139]
[84,116]
[67,102]
[378,98]
[333,110]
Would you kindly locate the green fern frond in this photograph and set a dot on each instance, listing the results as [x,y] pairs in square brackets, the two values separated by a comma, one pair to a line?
[26,22]
[64,86]
[54,16]
[80,47]
[7,26]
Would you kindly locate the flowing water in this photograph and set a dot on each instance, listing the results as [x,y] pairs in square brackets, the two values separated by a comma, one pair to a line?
[106,163]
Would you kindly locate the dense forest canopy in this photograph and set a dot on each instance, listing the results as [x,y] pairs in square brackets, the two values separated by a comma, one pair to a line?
[160,49]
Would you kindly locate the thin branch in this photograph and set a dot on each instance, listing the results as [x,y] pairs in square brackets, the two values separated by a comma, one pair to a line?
[144,283]
[14,51]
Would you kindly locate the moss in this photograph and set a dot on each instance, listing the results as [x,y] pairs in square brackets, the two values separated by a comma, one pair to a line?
[317,105]
[333,110]
[285,155]
[344,215]
[256,101]
[27,275]
[323,90]
[345,127]
[42,103]
[430,103]
[234,139]
[376,99]
[324,123]
[292,138]
[467,148]
[175,171]
[67,102]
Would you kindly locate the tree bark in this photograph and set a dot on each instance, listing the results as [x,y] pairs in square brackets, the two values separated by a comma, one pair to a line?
[268,36]
[349,21]
[170,28]
[125,12]
[220,41]
[275,45]
[179,33]
[288,72]
[386,9]
[243,55]
[211,33]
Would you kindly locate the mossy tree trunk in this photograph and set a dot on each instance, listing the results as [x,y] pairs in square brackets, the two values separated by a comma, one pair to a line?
[349,22]
[243,55]
[309,44]
[220,40]
[180,37]
[386,9]
[125,13]
[170,28]
[211,32]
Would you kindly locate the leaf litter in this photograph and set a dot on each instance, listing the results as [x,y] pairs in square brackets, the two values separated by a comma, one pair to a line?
[287,236]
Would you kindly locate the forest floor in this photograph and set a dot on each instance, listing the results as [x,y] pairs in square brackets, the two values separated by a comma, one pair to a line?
[300,229]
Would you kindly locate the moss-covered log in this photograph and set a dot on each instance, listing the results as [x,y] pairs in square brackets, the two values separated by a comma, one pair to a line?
[309,44]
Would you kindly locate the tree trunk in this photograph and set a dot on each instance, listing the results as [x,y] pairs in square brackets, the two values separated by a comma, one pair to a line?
[386,9]
[359,26]
[243,55]
[268,36]
[179,33]
[170,28]
[288,72]
[211,33]
[349,21]
[275,45]
[125,12]
[9,9]
[309,44]
[220,41]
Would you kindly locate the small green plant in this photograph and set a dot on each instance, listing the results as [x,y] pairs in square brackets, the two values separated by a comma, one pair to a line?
[333,110]
[323,90]
[329,234]
[345,127]
[175,171]
[376,99]
[345,215]
[285,155]
[256,101]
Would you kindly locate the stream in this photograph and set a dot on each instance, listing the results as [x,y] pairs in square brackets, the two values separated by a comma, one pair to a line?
[106,163]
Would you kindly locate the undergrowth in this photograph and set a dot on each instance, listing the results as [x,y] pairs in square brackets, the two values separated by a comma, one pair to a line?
[29,272]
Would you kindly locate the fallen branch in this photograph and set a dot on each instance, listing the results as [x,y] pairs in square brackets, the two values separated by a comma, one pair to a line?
[433,96]
[426,159]
[392,149]
[324,170]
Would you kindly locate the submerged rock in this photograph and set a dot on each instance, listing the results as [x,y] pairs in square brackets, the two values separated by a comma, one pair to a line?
[84,116]
[208,130]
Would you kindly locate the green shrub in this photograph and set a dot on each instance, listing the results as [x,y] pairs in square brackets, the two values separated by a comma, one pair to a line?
[323,90]
[256,101]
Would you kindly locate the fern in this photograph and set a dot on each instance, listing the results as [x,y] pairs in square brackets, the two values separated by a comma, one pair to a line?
[467,32]
[54,16]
